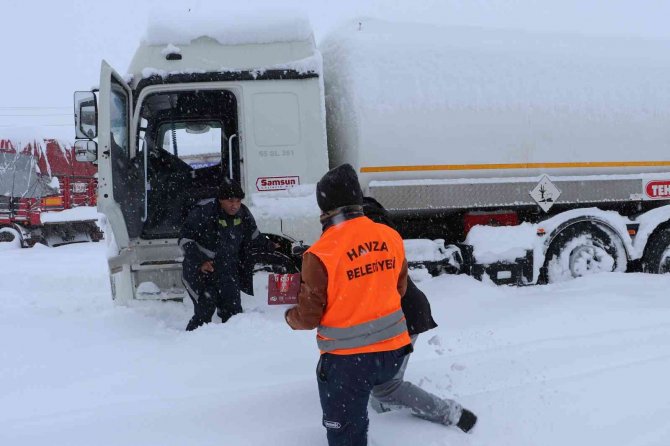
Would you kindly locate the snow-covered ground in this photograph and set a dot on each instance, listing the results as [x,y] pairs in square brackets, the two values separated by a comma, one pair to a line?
[578,363]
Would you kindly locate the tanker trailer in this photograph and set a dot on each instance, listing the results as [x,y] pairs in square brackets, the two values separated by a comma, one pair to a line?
[563,137]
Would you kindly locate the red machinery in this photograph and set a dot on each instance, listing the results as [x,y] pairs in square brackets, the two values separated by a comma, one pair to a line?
[41,184]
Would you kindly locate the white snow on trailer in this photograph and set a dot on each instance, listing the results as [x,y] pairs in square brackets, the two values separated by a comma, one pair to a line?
[412,101]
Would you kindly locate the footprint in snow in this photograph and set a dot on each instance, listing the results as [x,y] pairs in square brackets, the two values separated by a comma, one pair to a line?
[436,342]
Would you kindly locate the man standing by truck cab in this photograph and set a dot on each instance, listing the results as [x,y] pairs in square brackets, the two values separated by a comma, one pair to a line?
[216,239]
[352,280]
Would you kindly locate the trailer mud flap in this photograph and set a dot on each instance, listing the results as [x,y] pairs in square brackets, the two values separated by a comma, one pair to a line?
[63,233]
[519,272]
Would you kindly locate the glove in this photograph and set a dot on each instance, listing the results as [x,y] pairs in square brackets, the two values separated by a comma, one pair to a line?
[467,421]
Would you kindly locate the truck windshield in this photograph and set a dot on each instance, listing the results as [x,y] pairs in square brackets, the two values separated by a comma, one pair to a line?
[196,143]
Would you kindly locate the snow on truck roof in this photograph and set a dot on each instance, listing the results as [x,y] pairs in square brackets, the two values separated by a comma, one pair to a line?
[228,29]
[227,43]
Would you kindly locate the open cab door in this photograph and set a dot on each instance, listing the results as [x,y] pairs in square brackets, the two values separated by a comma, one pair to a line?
[121,177]
[115,138]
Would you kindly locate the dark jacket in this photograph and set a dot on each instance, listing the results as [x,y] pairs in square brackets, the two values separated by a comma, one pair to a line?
[414,303]
[210,234]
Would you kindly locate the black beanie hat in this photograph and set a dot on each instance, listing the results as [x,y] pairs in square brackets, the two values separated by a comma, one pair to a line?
[230,189]
[339,187]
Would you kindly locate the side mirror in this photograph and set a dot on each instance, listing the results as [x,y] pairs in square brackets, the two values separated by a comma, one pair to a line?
[86,151]
[85,115]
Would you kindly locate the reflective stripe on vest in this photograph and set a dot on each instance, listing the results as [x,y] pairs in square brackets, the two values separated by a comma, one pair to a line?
[367,333]
[363,262]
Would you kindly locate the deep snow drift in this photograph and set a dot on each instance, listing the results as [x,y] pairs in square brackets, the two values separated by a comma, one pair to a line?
[579,363]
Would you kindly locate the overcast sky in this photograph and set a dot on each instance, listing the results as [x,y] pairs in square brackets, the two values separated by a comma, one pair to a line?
[52,48]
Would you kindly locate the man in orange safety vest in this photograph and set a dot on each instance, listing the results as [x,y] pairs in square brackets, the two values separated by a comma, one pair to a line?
[353,278]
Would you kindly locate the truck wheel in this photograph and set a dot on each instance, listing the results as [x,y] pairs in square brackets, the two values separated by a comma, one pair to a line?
[581,250]
[657,253]
[9,238]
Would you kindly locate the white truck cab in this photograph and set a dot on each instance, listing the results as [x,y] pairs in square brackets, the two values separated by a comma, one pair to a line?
[185,117]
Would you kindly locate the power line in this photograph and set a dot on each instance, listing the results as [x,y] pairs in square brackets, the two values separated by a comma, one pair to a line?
[37,125]
[34,108]
[37,115]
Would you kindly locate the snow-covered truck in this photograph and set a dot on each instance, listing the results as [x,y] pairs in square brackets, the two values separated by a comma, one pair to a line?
[533,156]
[46,195]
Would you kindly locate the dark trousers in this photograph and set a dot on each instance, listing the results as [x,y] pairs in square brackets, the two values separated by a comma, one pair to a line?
[211,292]
[345,383]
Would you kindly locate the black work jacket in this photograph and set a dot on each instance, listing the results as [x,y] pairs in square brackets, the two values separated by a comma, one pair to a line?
[414,303]
[210,234]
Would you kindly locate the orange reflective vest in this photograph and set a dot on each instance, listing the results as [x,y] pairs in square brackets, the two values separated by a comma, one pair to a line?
[363,260]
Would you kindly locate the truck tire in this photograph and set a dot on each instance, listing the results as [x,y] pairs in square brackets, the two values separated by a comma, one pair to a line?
[10,238]
[656,258]
[583,249]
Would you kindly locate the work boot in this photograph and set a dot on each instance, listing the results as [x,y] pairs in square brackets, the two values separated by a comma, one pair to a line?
[194,323]
[467,421]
